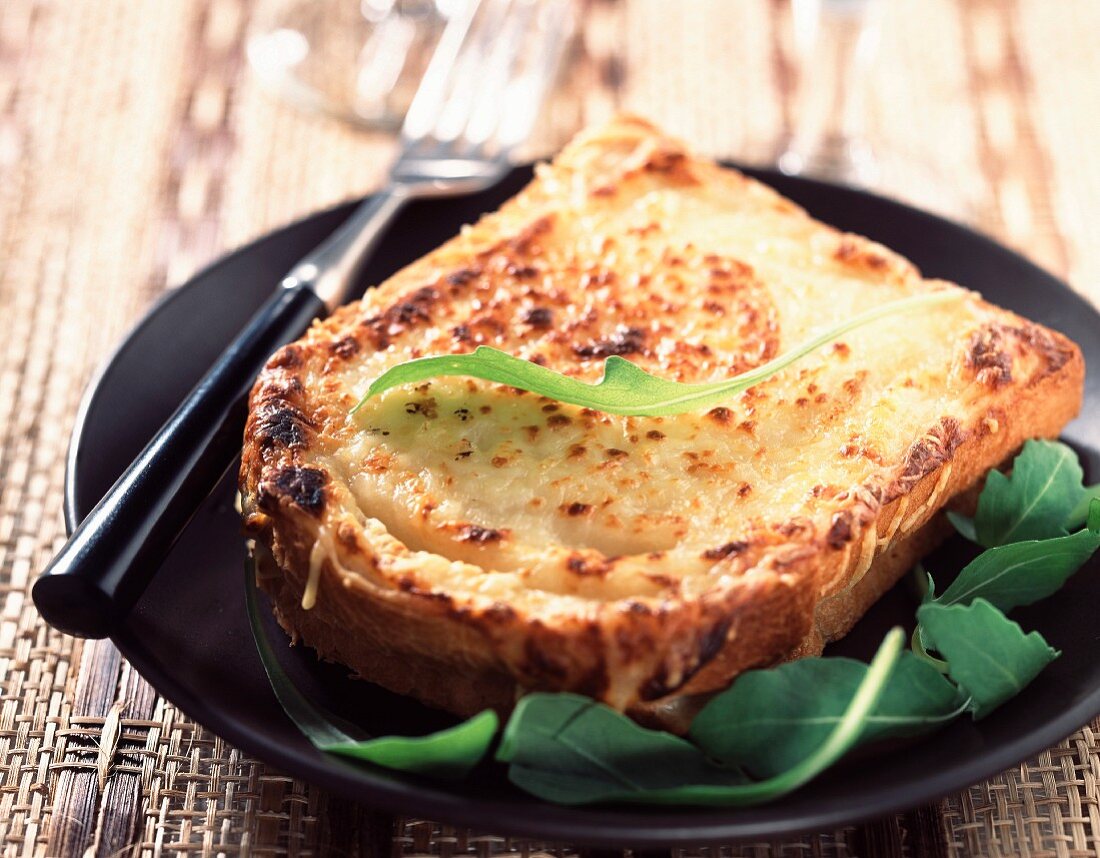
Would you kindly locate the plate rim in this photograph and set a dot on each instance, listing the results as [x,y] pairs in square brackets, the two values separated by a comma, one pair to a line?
[580,825]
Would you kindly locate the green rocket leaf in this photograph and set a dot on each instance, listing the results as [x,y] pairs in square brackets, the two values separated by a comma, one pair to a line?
[987,654]
[1020,573]
[571,750]
[1035,500]
[625,388]
[449,753]
[769,720]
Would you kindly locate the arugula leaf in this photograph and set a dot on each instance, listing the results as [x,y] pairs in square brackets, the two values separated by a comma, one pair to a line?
[1042,498]
[923,582]
[770,719]
[449,753]
[625,388]
[557,753]
[1020,573]
[1035,500]
[574,750]
[965,526]
[917,645]
[1080,513]
[987,654]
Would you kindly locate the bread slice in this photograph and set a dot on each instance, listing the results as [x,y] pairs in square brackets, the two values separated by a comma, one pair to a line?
[464,542]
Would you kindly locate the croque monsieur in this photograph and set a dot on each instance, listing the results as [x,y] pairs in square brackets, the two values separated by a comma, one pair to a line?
[465,542]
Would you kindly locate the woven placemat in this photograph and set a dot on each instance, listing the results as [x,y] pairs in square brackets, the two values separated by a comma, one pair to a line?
[135,146]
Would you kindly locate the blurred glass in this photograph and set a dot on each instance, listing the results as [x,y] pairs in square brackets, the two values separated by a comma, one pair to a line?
[836,42]
[837,46]
[357,60]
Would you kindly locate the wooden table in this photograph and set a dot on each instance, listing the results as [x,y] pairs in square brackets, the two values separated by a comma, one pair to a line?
[136,146]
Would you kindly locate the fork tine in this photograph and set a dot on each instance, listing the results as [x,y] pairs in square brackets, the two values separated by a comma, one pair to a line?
[489,38]
[520,104]
[499,68]
[433,88]
[486,79]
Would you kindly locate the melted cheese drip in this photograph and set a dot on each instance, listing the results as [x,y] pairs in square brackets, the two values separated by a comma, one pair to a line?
[322,546]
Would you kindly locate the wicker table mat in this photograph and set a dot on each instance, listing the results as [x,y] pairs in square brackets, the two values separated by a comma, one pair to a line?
[135,146]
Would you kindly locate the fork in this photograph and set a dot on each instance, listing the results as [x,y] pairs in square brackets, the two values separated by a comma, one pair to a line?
[477,101]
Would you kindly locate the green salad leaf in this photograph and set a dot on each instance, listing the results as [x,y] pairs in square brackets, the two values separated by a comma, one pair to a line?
[769,720]
[1035,500]
[1043,497]
[987,654]
[1020,573]
[449,753]
[1026,520]
[920,650]
[625,388]
[964,525]
[578,752]
[573,750]
[1080,513]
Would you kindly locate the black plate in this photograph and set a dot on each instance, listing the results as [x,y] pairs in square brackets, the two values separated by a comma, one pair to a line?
[189,634]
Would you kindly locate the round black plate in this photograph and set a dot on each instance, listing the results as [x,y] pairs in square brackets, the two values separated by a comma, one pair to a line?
[189,634]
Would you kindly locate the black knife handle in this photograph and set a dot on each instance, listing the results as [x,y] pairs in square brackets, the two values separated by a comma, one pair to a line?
[102,570]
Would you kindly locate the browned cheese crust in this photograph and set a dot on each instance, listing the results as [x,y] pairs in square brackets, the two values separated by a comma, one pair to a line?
[463,542]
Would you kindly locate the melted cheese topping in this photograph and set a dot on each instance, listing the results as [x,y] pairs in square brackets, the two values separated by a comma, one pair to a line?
[694,273]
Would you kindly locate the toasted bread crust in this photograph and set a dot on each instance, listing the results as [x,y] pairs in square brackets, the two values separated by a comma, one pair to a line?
[761,594]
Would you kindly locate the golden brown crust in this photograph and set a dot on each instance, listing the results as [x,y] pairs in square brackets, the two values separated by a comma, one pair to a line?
[425,596]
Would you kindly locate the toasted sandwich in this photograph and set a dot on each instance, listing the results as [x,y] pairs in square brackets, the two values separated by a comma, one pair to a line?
[466,542]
